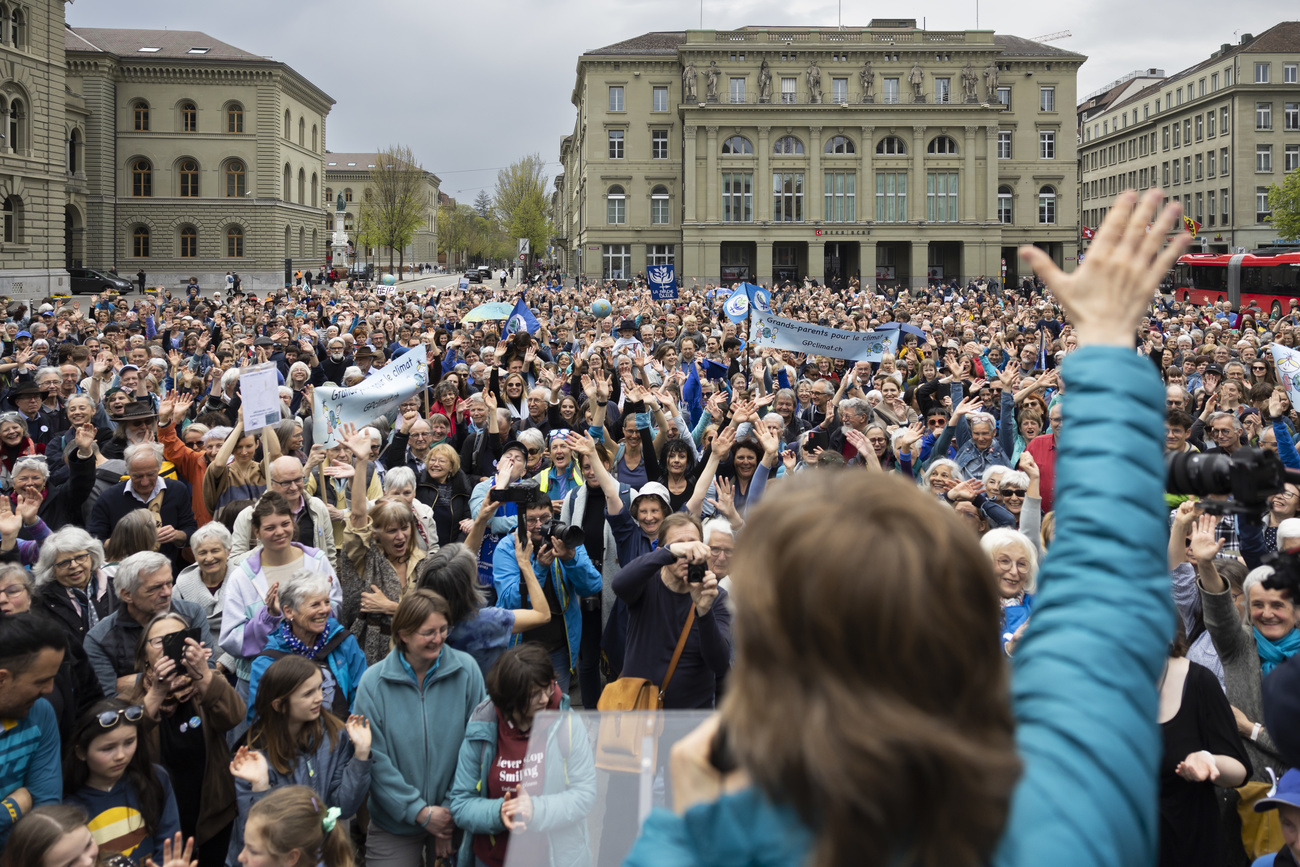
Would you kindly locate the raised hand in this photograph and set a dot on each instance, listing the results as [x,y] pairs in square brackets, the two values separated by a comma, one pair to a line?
[85,438]
[10,521]
[1205,542]
[250,766]
[358,442]
[176,852]
[359,733]
[723,440]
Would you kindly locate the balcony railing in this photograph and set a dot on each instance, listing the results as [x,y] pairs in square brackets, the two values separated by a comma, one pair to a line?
[852,98]
[838,37]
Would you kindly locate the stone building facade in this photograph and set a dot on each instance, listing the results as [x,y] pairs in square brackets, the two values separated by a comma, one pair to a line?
[349,174]
[42,188]
[888,152]
[1214,136]
[199,158]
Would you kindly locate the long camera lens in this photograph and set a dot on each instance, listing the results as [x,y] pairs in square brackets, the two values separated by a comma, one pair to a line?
[1198,474]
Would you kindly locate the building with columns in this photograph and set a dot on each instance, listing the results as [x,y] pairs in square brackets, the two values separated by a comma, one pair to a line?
[349,175]
[887,152]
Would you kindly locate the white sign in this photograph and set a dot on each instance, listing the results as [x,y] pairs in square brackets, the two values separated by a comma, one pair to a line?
[259,392]
[523,247]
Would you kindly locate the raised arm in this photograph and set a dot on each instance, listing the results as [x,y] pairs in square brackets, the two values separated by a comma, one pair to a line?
[720,448]
[584,446]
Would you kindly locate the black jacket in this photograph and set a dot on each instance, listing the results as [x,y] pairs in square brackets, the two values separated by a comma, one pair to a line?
[461,488]
[116,503]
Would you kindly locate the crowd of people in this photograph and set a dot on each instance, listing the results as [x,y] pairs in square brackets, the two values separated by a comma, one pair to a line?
[940,597]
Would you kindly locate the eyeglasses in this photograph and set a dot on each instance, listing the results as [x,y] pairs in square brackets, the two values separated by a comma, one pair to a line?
[197,445]
[936,422]
[1005,562]
[1220,431]
[75,559]
[721,552]
[14,591]
[1019,494]
[109,718]
[289,483]
[1258,367]
[532,453]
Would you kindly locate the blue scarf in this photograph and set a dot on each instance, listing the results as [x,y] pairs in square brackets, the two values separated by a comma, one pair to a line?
[1274,653]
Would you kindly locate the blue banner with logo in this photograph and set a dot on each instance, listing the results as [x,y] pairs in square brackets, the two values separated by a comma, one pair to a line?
[663,281]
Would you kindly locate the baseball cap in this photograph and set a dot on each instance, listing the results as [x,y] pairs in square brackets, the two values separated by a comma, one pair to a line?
[1285,792]
[23,334]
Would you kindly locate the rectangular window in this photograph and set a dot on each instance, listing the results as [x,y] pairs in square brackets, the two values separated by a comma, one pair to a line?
[1200,127]
[737,91]
[1263,115]
[1200,208]
[1047,99]
[1047,145]
[616,144]
[1223,197]
[1005,214]
[1004,96]
[1209,164]
[1290,73]
[616,98]
[1209,123]
[660,254]
[1178,135]
[1213,215]
[1292,157]
[839,91]
[1180,94]
[658,144]
[1263,158]
[1227,77]
[617,260]
[1261,205]
[1178,173]
[737,197]
[1261,73]
[1223,162]
[1291,117]
[789,87]
[1164,134]
[1164,173]
[942,91]
[1046,206]
[1200,167]
[1223,121]
[659,209]
[941,197]
[659,99]
[840,192]
[787,197]
[1201,87]
[1214,82]
[891,197]
[1004,144]
[890,91]
[616,208]
[1146,112]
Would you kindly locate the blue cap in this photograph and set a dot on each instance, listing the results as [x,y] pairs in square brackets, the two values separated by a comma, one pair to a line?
[22,334]
[1285,792]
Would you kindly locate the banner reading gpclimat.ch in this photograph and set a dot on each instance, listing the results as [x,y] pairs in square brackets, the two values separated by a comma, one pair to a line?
[773,332]
[383,390]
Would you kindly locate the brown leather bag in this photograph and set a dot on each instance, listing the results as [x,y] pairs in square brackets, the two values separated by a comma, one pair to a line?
[622,744]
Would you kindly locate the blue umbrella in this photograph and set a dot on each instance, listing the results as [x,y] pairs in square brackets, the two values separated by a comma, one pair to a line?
[491,310]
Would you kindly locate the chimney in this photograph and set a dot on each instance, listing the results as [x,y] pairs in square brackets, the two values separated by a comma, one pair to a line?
[1247,38]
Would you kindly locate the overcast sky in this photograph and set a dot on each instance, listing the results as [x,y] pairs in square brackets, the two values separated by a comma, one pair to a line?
[471,85]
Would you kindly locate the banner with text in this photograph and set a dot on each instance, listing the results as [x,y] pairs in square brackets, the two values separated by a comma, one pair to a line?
[773,332]
[383,390]
[663,282]
[1287,361]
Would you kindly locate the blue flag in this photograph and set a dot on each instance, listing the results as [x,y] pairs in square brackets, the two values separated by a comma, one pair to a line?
[759,297]
[520,319]
[663,281]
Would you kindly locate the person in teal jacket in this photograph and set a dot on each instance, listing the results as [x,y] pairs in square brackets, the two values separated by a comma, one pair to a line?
[566,575]
[1083,686]
[346,662]
[562,800]
[419,700]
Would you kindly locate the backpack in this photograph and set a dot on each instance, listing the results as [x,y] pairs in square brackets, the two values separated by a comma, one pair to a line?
[339,707]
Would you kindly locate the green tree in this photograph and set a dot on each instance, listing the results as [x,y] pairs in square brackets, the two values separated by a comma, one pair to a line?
[1284,203]
[455,230]
[483,204]
[396,206]
[521,205]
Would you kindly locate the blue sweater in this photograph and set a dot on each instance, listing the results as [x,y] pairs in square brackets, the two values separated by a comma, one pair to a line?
[1083,689]
[116,823]
[29,756]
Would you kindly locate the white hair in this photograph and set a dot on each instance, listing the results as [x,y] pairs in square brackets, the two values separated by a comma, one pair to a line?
[229,378]
[1288,529]
[33,463]
[301,586]
[990,472]
[399,477]
[66,541]
[298,365]
[213,531]
[720,526]
[154,449]
[133,568]
[1015,478]
[1001,538]
[975,418]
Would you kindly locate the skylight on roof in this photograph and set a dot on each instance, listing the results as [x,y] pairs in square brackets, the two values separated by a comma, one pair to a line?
[147,50]
[198,51]
[331,164]
[352,164]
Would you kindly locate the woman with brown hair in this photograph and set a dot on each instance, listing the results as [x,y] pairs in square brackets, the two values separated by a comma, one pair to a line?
[138,531]
[870,705]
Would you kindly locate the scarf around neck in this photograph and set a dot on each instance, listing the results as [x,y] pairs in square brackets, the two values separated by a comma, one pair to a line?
[1274,653]
[297,647]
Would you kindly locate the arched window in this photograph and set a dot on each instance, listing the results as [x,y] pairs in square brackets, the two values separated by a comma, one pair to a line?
[287,120]
[302,132]
[368,194]
[18,28]
[302,186]
[189,117]
[234,242]
[1006,205]
[13,217]
[659,206]
[1047,205]
[286,191]
[302,243]
[616,210]
[140,242]
[189,243]
[787,144]
[347,194]
[234,118]
[313,137]
[737,145]
[891,145]
[17,126]
[74,151]
[942,144]
[313,201]
[315,239]
[235,179]
[142,178]
[189,174]
[140,110]
[840,145]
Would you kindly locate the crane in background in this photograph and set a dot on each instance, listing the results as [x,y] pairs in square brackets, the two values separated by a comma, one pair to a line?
[1052,37]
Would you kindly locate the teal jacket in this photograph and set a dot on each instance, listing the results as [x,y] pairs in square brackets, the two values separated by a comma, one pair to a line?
[1083,684]
[569,786]
[416,733]
[346,663]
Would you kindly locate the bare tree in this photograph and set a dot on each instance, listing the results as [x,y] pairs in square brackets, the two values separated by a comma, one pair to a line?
[396,208]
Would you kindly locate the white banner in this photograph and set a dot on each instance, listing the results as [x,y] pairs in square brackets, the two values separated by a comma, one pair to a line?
[773,332]
[383,390]
[259,392]
[1288,370]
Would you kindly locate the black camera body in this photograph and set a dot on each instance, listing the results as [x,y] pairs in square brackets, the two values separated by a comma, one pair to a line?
[695,573]
[515,492]
[568,534]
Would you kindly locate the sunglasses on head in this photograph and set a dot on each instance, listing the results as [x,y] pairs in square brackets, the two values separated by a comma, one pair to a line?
[109,718]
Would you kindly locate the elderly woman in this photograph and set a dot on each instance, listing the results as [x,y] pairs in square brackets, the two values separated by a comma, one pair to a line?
[234,474]
[399,484]
[15,443]
[203,582]
[80,410]
[72,586]
[1015,563]
[61,505]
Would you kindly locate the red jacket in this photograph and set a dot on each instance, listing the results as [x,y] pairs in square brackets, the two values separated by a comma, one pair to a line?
[1042,449]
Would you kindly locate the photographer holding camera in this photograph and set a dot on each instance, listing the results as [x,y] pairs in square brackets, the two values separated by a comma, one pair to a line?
[565,572]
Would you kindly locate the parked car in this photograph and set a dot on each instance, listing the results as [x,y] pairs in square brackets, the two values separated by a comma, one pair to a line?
[90,280]
[485,273]
[474,275]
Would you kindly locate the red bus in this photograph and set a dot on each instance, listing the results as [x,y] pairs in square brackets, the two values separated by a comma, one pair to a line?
[1268,281]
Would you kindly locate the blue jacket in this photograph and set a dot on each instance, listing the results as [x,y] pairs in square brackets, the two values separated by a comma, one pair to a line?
[1083,688]
[417,733]
[569,784]
[347,663]
[29,757]
[569,578]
